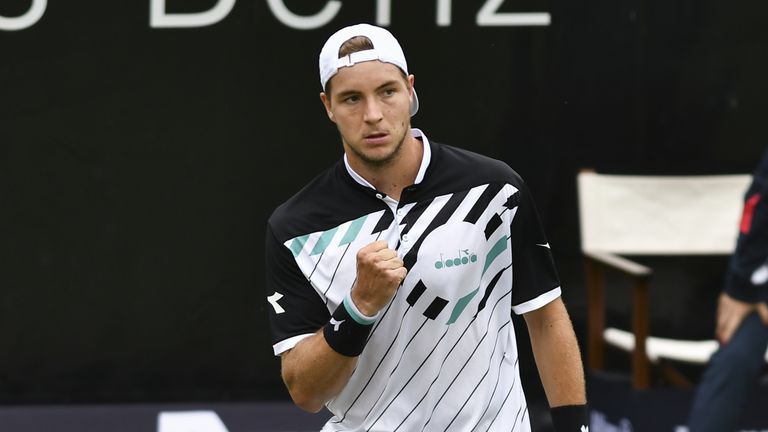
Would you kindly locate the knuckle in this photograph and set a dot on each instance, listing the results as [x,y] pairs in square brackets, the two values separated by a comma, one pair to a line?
[361,253]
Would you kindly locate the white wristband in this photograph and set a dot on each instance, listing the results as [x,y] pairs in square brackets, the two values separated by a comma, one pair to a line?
[355,313]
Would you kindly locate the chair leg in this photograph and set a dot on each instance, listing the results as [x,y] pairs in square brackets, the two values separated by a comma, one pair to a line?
[640,363]
[595,315]
[674,376]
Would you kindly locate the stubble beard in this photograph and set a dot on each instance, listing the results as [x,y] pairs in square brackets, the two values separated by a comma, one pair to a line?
[384,161]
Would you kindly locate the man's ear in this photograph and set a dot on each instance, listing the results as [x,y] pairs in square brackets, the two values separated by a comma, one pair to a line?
[327,104]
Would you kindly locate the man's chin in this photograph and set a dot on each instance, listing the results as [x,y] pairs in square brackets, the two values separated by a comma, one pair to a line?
[378,160]
[377,156]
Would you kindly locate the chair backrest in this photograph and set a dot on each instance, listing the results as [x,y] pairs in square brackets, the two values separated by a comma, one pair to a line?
[660,215]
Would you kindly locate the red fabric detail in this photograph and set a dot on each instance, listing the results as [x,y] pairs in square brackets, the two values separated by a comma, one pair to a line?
[749,211]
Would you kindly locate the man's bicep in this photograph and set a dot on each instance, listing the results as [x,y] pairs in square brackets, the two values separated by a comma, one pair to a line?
[295,309]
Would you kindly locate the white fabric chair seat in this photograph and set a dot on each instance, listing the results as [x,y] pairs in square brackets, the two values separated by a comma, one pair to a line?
[656,348]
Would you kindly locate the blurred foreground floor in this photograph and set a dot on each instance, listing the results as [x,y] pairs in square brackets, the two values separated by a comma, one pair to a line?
[237,417]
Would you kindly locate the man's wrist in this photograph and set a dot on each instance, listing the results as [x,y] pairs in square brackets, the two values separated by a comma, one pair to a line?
[360,305]
[570,418]
[359,316]
[348,329]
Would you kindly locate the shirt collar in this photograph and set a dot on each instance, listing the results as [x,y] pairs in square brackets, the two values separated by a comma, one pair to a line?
[425,159]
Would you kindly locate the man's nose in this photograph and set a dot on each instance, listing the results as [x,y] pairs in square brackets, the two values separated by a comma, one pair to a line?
[373,112]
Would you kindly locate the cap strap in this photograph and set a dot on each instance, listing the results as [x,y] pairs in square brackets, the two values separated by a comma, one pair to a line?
[357,57]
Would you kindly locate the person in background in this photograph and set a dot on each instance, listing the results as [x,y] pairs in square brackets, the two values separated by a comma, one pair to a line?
[742,320]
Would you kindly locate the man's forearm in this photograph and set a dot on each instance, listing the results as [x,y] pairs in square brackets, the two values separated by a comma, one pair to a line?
[314,373]
[557,355]
[561,369]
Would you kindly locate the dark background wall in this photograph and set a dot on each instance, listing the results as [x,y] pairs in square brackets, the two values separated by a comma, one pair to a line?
[138,165]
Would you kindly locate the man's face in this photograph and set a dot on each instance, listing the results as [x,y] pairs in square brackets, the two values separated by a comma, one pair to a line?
[370,104]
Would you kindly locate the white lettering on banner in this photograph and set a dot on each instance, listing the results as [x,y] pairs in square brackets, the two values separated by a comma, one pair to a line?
[489,16]
[159,18]
[30,17]
[599,423]
[300,22]
[383,12]
[444,13]
[190,421]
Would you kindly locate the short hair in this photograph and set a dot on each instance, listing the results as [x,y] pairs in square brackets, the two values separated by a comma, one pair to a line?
[355,44]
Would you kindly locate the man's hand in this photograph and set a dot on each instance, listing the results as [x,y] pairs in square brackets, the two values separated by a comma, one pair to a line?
[762,310]
[730,314]
[379,274]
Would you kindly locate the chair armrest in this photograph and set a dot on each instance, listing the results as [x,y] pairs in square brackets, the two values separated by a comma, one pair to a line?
[596,263]
[619,263]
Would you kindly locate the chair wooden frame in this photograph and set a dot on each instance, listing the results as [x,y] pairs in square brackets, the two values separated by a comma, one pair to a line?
[595,266]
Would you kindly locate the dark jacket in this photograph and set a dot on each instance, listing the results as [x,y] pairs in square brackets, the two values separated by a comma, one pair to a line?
[747,278]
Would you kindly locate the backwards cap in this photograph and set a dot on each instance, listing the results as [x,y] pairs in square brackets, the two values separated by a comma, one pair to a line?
[385,49]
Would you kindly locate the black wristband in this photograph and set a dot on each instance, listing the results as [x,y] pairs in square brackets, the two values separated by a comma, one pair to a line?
[570,418]
[347,331]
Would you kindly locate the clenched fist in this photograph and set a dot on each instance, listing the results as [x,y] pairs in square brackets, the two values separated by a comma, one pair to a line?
[379,274]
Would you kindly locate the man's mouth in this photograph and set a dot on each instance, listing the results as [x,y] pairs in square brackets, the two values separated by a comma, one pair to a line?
[376,138]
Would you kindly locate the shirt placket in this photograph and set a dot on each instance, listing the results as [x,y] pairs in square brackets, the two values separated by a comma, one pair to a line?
[402,240]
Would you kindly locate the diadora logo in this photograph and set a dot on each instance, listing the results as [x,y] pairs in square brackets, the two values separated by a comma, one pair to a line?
[464,257]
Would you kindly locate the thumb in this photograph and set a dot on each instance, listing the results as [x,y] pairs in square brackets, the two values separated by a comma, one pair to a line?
[762,309]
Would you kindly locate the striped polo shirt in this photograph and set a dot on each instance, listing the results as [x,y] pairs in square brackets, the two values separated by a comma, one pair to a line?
[442,355]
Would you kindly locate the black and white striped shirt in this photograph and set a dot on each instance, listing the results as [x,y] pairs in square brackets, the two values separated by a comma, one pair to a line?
[442,355]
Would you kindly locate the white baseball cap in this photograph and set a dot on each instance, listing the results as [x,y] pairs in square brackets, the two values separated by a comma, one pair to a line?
[385,49]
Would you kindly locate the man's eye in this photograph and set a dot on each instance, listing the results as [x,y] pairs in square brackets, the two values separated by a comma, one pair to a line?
[351,99]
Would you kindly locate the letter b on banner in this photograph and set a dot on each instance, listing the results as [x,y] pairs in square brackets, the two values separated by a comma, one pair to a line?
[159,18]
[32,16]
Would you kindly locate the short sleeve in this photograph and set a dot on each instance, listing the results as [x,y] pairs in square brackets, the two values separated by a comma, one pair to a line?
[535,281]
[295,309]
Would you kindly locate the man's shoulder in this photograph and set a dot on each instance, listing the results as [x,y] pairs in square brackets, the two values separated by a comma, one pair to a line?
[327,201]
[474,167]
[294,213]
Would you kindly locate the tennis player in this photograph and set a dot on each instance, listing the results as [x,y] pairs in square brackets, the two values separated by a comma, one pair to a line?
[392,276]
